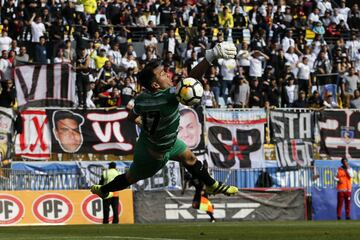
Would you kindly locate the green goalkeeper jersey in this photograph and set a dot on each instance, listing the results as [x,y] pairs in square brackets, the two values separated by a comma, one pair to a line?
[160,118]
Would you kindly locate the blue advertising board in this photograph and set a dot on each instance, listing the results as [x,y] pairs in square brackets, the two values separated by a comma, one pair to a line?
[324,202]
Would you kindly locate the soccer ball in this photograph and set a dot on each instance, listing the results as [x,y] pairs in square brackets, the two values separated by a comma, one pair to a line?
[189,91]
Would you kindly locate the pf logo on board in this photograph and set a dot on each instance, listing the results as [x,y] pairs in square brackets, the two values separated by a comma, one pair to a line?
[11,209]
[92,209]
[53,208]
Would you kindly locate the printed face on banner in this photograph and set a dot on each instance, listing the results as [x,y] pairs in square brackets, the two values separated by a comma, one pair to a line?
[67,130]
[190,128]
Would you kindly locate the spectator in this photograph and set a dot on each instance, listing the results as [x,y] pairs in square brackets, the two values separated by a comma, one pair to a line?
[301,102]
[115,56]
[240,92]
[351,83]
[5,66]
[243,58]
[37,28]
[165,10]
[228,70]
[287,41]
[22,57]
[256,99]
[41,55]
[257,59]
[100,59]
[8,94]
[354,18]
[355,102]
[5,41]
[127,92]
[171,43]
[69,52]
[329,101]
[290,93]
[208,98]
[303,75]
[61,58]
[213,79]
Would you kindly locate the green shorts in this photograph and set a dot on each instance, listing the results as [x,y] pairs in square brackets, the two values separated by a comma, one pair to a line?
[145,166]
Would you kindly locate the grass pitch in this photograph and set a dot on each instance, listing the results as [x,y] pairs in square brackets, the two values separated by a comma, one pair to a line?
[331,230]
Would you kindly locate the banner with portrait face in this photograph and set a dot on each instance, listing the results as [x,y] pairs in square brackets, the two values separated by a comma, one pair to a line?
[191,128]
[236,138]
[6,133]
[339,132]
[91,131]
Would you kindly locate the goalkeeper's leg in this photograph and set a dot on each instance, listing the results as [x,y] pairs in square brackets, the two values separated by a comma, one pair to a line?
[199,170]
[119,183]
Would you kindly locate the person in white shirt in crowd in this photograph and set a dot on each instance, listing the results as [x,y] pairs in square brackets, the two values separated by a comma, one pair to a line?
[90,92]
[357,61]
[303,75]
[329,101]
[37,28]
[150,39]
[5,66]
[208,98]
[317,44]
[287,41]
[128,61]
[105,43]
[60,58]
[14,46]
[352,46]
[5,41]
[343,10]
[324,5]
[243,58]
[336,17]
[292,58]
[257,61]
[115,55]
[149,54]
[291,92]
[228,69]
[314,16]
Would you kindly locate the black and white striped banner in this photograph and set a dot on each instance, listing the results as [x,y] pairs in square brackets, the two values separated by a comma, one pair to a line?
[45,85]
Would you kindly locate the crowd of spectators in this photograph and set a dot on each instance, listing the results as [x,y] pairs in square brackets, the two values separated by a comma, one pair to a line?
[287,49]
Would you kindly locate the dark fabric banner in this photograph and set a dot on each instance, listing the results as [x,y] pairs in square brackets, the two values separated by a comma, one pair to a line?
[339,132]
[91,131]
[256,205]
[293,134]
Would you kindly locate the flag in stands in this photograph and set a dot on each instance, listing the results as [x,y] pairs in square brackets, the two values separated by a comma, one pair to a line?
[45,85]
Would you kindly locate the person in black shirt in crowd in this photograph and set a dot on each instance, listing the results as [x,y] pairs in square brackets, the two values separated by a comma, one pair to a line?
[8,94]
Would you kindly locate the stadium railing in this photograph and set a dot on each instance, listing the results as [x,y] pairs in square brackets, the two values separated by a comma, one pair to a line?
[271,177]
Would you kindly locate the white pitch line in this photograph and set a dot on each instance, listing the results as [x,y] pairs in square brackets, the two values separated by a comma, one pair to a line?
[105,237]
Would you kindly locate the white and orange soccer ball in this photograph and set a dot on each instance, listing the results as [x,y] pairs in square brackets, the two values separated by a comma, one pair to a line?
[189,91]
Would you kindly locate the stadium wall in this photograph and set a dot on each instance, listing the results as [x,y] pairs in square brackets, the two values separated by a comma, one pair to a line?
[59,207]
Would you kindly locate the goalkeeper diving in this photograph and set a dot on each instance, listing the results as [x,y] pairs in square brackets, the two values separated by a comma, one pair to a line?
[156,110]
